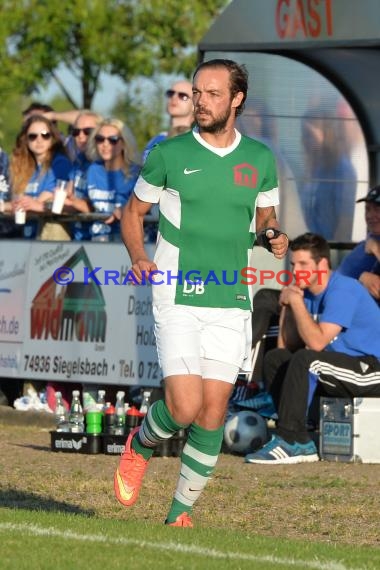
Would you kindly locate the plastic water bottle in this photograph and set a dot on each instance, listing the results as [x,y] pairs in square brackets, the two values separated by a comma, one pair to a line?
[134,418]
[89,397]
[101,402]
[76,417]
[60,413]
[145,403]
[109,419]
[120,413]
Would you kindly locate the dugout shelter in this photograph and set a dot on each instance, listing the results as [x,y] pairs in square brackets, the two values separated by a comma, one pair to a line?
[314,98]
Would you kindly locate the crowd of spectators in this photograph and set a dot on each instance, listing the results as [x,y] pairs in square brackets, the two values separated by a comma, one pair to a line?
[98,161]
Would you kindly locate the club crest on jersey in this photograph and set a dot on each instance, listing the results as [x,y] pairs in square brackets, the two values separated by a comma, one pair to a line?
[245,175]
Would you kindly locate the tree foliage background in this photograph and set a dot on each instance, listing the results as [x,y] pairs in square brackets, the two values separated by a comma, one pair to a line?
[126,38]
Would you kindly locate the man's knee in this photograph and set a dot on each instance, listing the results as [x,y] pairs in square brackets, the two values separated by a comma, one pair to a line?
[277,356]
[303,355]
[266,299]
[183,412]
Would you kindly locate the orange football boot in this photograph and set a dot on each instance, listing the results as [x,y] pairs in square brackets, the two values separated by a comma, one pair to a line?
[129,475]
[182,520]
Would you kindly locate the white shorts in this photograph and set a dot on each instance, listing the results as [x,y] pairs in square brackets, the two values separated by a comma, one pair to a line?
[208,342]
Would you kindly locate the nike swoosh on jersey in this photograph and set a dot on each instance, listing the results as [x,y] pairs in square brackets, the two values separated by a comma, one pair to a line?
[125,495]
[187,171]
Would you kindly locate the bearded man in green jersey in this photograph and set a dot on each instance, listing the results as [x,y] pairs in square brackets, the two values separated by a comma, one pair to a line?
[216,190]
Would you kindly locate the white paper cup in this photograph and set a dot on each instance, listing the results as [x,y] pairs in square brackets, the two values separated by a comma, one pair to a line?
[20,217]
[59,200]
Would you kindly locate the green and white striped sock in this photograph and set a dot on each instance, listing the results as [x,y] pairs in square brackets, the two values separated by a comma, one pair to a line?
[198,460]
[158,425]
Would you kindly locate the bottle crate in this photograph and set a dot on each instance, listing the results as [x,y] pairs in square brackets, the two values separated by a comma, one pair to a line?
[69,442]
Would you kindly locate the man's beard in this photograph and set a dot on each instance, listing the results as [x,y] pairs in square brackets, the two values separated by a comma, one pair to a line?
[218,125]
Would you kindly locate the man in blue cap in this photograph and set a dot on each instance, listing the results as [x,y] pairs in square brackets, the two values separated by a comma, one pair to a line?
[362,262]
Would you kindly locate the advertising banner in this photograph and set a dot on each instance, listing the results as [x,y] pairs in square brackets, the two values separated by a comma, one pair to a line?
[13,277]
[72,312]
[85,320]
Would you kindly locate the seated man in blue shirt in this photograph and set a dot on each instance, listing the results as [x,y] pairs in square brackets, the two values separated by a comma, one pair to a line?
[338,323]
[362,263]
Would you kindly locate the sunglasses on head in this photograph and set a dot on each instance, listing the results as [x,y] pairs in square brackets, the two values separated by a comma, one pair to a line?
[113,139]
[181,95]
[44,134]
[86,131]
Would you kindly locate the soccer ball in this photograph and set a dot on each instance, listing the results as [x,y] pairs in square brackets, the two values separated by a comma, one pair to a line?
[245,432]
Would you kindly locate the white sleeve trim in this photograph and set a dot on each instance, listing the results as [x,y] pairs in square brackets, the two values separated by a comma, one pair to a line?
[269,198]
[147,192]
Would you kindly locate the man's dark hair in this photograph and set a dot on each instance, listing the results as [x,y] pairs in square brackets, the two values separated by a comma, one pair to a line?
[316,244]
[36,106]
[238,77]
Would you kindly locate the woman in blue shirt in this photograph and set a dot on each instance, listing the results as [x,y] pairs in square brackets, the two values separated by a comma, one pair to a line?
[37,162]
[111,176]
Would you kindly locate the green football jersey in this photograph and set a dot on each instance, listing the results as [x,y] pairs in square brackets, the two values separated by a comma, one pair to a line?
[207,199]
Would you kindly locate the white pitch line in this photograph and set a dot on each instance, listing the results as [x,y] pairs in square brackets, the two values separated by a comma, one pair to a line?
[35,530]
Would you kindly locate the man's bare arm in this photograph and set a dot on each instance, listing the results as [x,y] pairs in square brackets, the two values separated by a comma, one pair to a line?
[372,246]
[315,335]
[266,218]
[288,336]
[65,116]
[132,233]
[371,282]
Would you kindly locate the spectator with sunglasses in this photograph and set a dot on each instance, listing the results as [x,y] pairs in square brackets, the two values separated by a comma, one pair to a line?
[111,177]
[180,109]
[38,160]
[38,108]
[69,117]
[85,122]
[83,126]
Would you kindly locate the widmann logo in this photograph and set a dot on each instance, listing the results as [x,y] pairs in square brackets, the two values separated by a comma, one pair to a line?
[73,312]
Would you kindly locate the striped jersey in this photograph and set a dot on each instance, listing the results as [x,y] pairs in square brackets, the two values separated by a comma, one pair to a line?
[207,200]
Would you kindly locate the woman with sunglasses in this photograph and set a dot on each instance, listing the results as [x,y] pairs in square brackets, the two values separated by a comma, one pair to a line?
[111,177]
[37,162]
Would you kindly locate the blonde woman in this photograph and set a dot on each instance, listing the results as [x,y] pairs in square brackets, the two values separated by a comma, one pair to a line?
[37,162]
[111,176]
